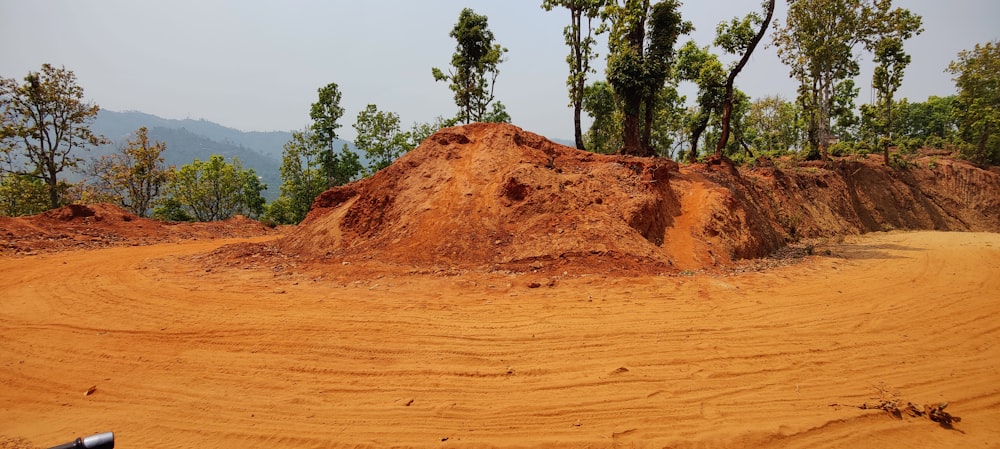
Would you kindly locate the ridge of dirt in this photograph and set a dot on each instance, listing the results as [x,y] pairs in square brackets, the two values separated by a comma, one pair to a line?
[102,225]
[496,197]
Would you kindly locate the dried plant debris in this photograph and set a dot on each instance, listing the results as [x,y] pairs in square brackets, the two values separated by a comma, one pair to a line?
[891,404]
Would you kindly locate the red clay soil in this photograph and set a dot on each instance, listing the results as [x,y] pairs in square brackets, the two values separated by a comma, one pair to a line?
[496,197]
[92,226]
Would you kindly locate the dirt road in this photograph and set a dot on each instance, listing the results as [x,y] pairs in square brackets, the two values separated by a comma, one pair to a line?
[184,355]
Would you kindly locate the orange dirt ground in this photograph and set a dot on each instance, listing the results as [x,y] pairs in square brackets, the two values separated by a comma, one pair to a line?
[187,356]
[492,289]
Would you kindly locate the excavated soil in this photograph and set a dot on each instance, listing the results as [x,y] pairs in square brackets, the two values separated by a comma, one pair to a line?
[495,197]
[492,289]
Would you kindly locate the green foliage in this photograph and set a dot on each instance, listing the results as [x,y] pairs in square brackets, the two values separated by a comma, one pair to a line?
[739,37]
[22,195]
[43,121]
[977,76]
[216,190]
[325,112]
[134,176]
[474,69]
[302,178]
[818,42]
[581,41]
[380,137]
[774,125]
[421,131]
[605,133]
[701,66]
[171,209]
[640,60]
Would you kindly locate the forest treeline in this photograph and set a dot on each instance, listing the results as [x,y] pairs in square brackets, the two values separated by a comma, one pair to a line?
[636,108]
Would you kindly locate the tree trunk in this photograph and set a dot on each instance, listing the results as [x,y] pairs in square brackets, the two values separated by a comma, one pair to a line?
[647,125]
[631,141]
[727,108]
[580,80]
[696,132]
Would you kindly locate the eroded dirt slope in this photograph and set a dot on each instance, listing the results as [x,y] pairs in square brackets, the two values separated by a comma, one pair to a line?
[493,196]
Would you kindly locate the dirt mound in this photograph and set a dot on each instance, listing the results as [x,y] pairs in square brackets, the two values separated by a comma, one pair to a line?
[497,197]
[102,225]
[493,196]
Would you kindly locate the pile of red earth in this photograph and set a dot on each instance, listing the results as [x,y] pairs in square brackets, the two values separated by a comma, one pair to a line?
[495,197]
[102,225]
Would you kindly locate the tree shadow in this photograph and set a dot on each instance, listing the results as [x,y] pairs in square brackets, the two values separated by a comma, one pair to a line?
[873,251]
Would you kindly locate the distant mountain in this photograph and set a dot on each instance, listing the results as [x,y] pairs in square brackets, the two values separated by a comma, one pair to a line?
[189,139]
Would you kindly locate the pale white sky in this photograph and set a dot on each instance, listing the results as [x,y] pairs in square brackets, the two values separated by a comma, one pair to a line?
[255,65]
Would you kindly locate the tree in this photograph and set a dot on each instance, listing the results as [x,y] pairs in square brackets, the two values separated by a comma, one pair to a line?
[639,63]
[216,190]
[302,178]
[891,61]
[818,41]
[325,112]
[421,131]
[474,69]
[22,195]
[774,125]
[605,133]
[738,38]
[134,176]
[380,137]
[701,66]
[977,76]
[580,40]
[44,120]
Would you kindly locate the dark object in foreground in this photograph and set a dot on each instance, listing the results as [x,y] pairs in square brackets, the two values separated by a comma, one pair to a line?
[104,440]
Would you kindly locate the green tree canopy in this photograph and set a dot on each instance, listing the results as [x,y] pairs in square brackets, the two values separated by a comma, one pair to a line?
[475,66]
[977,75]
[818,42]
[605,133]
[43,121]
[380,137]
[216,190]
[640,58]
[302,178]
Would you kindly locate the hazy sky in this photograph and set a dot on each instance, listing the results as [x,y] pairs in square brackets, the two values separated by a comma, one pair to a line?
[256,65]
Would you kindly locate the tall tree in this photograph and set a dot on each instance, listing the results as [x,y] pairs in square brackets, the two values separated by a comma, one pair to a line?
[135,175]
[738,37]
[665,27]
[45,120]
[818,42]
[325,113]
[380,137]
[579,36]
[475,66]
[891,61]
[638,65]
[977,75]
